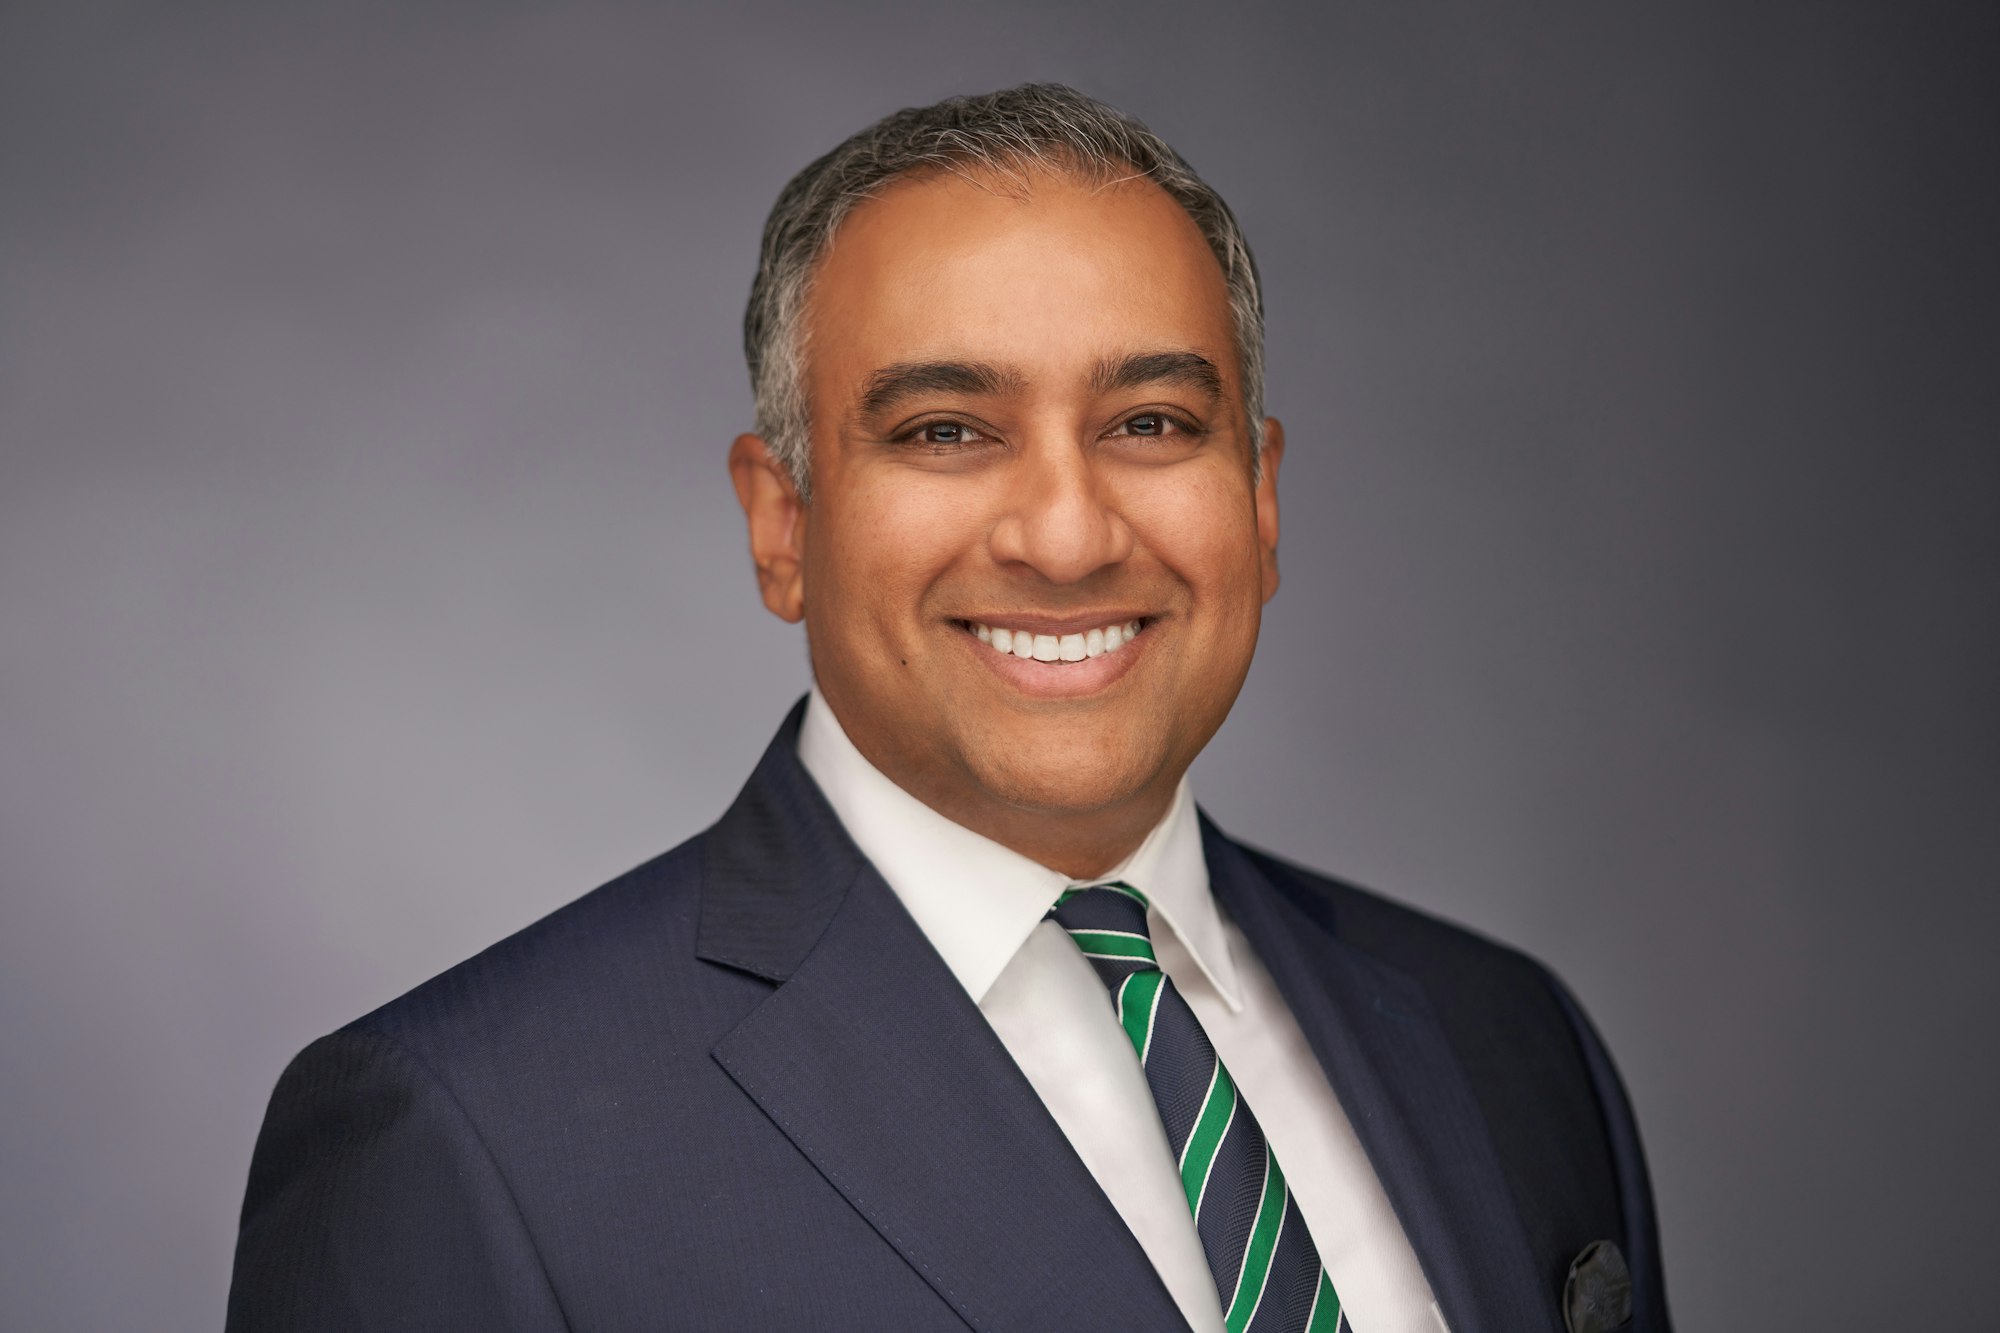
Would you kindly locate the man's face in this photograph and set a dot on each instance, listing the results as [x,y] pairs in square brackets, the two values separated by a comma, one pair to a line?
[1028,426]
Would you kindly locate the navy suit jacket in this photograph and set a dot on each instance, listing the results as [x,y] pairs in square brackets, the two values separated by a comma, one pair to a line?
[736,1088]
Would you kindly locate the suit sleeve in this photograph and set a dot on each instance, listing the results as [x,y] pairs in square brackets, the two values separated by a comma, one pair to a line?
[1635,1187]
[373,1204]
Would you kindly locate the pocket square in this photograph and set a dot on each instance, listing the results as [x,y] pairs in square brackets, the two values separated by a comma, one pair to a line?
[1597,1295]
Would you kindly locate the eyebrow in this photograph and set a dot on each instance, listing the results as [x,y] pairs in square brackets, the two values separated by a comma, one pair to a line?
[1188,369]
[893,384]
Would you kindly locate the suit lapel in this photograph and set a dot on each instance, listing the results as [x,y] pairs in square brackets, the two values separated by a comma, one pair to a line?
[1406,1093]
[876,1064]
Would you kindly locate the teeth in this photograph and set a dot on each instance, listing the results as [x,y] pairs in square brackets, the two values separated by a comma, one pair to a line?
[1054,647]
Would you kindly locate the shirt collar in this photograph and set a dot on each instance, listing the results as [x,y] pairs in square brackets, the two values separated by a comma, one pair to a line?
[978,901]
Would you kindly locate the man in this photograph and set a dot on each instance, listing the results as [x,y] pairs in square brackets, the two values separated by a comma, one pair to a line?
[963,1015]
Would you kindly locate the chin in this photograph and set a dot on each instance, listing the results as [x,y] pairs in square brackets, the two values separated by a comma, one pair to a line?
[1078,779]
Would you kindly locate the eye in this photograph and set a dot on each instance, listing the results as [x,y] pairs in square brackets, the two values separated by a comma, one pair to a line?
[941,435]
[1152,425]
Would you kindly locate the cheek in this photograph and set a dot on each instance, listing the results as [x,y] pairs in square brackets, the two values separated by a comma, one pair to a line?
[1204,529]
[881,547]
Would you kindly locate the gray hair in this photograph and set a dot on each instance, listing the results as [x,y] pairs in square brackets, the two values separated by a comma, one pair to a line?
[1037,125]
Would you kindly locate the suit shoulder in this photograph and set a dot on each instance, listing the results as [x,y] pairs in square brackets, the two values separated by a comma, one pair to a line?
[1501,1007]
[1417,941]
[1552,1101]
[599,955]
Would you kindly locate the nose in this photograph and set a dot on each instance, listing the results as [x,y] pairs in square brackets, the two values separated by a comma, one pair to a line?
[1060,519]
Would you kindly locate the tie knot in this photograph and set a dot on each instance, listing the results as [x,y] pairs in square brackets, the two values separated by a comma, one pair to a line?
[1108,922]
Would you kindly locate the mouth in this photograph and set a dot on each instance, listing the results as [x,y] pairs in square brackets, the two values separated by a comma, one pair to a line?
[1053,661]
[1056,645]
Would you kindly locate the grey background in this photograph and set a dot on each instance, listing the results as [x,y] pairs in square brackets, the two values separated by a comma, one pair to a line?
[371,583]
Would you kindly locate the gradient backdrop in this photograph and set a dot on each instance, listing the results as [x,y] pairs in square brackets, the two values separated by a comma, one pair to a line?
[370,583]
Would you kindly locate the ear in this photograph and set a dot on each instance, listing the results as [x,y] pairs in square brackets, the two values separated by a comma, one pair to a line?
[777,523]
[1267,502]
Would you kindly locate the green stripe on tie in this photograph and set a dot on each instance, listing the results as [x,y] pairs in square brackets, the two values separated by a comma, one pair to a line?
[1113,944]
[1125,889]
[1209,1127]
[1325,1316]
[1263,1244]
[1138,998]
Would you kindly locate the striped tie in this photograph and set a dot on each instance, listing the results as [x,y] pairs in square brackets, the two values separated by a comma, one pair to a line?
[1260,1254]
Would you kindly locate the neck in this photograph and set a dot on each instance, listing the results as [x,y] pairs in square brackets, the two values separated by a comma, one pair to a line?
[1082,842]
[1079,845]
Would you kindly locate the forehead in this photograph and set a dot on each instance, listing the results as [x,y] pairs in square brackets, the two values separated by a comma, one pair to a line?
[1049,273]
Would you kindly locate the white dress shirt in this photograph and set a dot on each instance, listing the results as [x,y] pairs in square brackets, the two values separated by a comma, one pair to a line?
[981,905]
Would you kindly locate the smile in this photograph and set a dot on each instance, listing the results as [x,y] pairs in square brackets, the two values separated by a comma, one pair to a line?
[1075,647]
